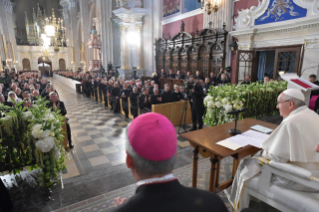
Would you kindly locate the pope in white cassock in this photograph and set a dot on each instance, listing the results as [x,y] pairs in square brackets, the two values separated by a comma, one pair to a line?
[293,141]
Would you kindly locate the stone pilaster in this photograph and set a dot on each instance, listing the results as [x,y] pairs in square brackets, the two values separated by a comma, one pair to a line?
[75,43]
[140,61]
[85,23]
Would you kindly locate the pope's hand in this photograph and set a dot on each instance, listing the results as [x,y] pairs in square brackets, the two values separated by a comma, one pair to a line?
[317,148]
[118,201]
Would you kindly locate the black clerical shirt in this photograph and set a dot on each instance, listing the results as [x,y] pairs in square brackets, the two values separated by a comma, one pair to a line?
[167,97]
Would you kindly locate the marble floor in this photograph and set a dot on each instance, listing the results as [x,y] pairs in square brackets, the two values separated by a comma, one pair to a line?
[97,162]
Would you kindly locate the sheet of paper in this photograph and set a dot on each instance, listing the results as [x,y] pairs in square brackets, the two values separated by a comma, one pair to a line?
[249,137]
[261,129]
[228,144]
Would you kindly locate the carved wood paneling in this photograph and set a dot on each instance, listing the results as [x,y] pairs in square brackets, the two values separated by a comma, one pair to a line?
[205,52]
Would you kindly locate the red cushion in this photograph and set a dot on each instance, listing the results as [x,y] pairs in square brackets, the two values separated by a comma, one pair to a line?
[302,84]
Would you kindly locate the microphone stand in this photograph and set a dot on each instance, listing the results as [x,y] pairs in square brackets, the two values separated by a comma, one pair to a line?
[236,112]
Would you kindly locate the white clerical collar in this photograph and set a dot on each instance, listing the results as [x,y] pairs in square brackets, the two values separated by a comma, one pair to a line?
[165,178]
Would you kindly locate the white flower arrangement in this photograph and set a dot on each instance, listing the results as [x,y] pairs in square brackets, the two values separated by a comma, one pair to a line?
[258,98]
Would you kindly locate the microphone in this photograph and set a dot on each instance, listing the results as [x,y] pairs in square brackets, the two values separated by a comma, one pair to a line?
[237,111]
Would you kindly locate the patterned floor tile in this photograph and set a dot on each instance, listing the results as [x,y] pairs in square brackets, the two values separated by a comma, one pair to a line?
[98,160]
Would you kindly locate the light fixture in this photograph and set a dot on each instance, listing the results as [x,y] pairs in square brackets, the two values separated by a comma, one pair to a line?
[208,6]
[281,72]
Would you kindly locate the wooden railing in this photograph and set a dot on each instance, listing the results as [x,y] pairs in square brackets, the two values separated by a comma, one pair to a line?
[173,111]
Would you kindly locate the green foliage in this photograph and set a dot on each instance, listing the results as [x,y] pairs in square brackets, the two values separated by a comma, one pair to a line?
[259,99]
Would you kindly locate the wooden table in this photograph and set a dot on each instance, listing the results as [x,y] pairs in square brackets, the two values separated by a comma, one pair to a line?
[204,142]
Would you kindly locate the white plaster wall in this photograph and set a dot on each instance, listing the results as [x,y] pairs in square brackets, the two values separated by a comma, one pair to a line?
[310,63]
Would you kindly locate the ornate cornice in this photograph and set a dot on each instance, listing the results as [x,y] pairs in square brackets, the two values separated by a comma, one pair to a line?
[288,26]
[311,43]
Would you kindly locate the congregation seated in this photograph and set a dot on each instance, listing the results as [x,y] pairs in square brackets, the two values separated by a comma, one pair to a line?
[293,141]
[313,79]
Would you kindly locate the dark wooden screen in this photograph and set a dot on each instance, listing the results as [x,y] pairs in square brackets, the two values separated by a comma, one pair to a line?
[245,64]
[287,60]
[207,59]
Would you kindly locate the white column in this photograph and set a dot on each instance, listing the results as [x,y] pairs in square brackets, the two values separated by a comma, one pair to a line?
[140,64]
[104,15]
[85,22]
[124,50]
[75,44]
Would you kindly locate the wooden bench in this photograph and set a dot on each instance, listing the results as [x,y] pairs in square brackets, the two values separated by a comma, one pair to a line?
[130,115]
[79,88]
[65,134]
[173,111]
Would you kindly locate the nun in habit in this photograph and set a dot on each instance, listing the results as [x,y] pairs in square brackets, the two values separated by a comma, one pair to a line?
[293,141]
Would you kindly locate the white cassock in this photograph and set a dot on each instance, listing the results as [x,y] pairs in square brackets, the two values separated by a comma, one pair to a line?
[293,141]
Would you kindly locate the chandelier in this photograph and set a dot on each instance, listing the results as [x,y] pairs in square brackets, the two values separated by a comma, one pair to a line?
[208,6]
[54,33]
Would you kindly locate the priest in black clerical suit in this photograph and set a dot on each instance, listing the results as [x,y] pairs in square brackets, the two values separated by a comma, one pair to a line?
[163,74]
[167,96]
[156,98]
[199,77]
[179,75]
[176,94]
[171,75]
[213,78]
[144,100]
[115,97]
[109,90]
[197,106]
[157,189]
[125,94]
[134,102]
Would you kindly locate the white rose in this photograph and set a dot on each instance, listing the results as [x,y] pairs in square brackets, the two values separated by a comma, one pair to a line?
[228,108]
[27,115]
[45,134]
[36,131]
[45,145]
[224,101]
[210,104]
[218,104]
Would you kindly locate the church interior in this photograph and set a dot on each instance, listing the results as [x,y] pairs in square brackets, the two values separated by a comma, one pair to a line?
[159,105]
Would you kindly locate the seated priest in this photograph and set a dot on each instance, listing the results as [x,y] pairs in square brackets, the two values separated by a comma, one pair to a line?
[134,102]
[156,98]
[56,104]
[179,75]
[144,101]
[177,95]
[206,85]
[167,96]
[171,75]
[293,141]
[246,81]
[109,91]
[163,74]
[223,77]
[125,94]
[266,79]
[199,77]
[213,79]
[188,74]
[3,101]
[151,152]
[115,98]
[313,79]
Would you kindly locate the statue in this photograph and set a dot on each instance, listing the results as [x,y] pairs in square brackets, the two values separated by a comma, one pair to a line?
[182,26]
